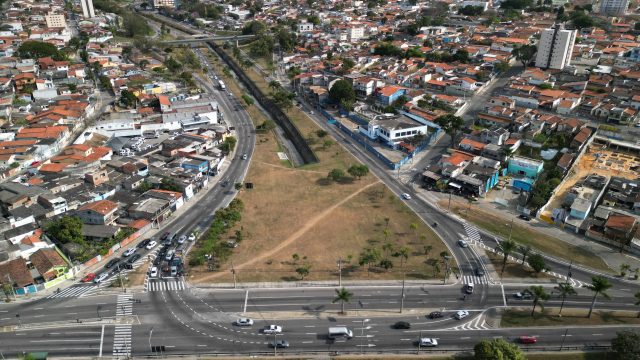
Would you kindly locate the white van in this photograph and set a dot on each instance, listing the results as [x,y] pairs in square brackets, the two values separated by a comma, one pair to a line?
[170,255]
[340,331]
[469,288]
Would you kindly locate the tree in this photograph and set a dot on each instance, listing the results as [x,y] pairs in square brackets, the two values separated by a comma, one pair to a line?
[506,247]
[247,99]
[143,63]
[274,85]
[342,90]
[525,53]
[565,289]
[525,250]
[539,297]
[39,49]
[624,268]
[536,261]
[497,349]
[303,271]
[343,296]
[403,254]
[336,174]
[67,229]
[295,258]
[451,124]
[427,250]
[599,285]
[284,99]
[626,345]
[516,4]
[128,99]
[369,257]
[358,170]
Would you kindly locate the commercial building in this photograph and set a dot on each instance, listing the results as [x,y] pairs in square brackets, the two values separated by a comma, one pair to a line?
[87,8]
[172,4]
[613,7]
[555,48]
[55,21]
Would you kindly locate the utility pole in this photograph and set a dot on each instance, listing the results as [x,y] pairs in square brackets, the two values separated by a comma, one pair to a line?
[511,229]
[569,271]
[563,338]
[402,296]
[419,341]
[340,272]
[449,206]
[120,279]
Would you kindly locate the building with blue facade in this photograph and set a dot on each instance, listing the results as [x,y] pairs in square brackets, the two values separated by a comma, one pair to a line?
[389,94]
[526,167]
[198,165]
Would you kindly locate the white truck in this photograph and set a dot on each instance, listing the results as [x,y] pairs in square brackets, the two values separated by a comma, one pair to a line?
[340,331]
[223,87]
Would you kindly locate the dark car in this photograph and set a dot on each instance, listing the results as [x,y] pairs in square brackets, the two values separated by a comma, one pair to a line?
[133,258]
[479,271]
[165,236]
[144,243]
[435,315]
[401,325]
[525,217]
[157,260]
[112,263]
[280,344]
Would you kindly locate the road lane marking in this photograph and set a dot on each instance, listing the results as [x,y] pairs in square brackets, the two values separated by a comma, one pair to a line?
[101,341]
[62,340]
[311,333]
[597,334]
[504,297]
[465,338]
[307,342]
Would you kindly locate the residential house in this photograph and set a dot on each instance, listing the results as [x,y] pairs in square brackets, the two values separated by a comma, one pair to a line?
[102,212]
[49,263]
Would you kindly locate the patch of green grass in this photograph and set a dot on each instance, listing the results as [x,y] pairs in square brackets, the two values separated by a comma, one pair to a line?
[549,317]
[537,240]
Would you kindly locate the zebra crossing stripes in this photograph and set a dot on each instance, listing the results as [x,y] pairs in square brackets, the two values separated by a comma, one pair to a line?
[75,291]
[472,279]
[166,285]
[478,323]
[122,333]
[472,232]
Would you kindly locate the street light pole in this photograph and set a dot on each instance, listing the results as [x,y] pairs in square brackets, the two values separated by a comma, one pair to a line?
[402,296]
[511,229]
[563,338]
[340,272]
[233,271]
[569,271]
[419,341]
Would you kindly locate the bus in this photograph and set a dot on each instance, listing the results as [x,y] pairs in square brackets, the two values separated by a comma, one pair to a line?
[222,86]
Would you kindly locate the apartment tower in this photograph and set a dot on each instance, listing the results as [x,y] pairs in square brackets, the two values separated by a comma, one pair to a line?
[555,48]
[87,9]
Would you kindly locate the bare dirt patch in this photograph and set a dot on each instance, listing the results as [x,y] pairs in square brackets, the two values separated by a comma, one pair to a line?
[299,211]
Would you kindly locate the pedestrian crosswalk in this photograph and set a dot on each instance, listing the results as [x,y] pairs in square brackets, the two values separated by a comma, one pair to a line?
[171,284]
[472,233]
[478,323]
[75,291]
[473,279]
[122,333]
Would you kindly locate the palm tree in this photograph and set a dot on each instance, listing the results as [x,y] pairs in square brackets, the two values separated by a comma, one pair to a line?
[274,85]
[525,251]
[403,254]
[414,228]
[599,285]
[506,247]
[565,290]
[427,250]
[539,296]
[342,295]
[637,296]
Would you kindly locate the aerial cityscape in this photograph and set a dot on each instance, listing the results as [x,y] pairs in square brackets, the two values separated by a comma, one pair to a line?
[442,179]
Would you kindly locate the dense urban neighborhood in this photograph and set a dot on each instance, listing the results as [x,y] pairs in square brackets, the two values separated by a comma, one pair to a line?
[252,178]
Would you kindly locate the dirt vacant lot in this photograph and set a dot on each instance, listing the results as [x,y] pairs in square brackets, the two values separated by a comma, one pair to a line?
[299,211]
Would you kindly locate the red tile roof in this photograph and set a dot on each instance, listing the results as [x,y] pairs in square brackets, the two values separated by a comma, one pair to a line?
[103,207]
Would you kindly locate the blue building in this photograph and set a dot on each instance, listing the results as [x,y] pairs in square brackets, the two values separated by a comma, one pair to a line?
[526,167]
[389,94]
[198,165]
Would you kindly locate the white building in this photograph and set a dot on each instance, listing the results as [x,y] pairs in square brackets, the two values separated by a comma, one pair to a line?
[55,21]
[356,33]
[614,7]
[164,4]
[87,8]
[391,128]
[555,48]
[305,27]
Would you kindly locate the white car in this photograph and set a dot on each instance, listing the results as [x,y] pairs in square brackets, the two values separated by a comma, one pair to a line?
[128,252]
[243,322]
[192,237]
[463,243]
[153,272]
[272,329]
[406,196]
[151,245]
[182,239]
[101,277]
[461,314]
[428,342]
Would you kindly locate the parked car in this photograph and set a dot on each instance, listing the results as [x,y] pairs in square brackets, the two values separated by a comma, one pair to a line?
[435,315]
[89,277]
[192,237]
[272,329]
[144,243]
[128,252]
[182,239]
[174,271]
[461,314]
[243,322]
[112,263]
[101,277]
[527,340]
[479,271]
[401,325]
[406,196]
[165,236]
[428,342]
[151,245]
[153,272]
[280,344]
[133,258]
[525,217]
[463,243]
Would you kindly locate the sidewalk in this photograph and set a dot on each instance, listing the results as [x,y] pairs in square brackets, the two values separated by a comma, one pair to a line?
[154,231]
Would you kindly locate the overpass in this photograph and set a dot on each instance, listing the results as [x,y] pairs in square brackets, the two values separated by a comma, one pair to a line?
[206,38]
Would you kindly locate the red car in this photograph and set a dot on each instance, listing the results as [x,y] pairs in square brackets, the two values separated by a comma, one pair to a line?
[528,340]
[89,277]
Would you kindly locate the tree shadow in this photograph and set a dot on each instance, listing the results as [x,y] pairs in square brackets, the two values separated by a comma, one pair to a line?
[289,278]
[324,181]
